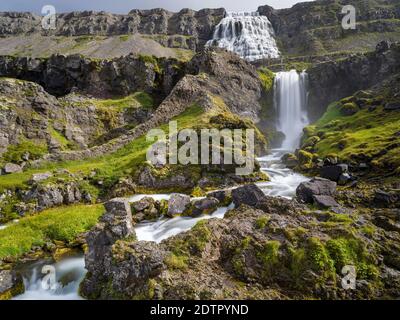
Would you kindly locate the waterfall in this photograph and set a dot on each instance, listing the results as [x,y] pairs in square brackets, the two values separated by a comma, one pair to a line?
[290,91]
[248,34]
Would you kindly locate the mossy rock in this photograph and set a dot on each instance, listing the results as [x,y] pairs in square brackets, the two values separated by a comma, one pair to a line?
[305,159]
[349,109]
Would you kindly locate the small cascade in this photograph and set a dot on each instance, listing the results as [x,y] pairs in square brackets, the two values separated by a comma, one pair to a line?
[248,34]
[290,99]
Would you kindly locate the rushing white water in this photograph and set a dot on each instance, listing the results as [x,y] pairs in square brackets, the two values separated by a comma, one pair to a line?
[69,274]
[249,35]
[166,228]
[290,91]
[283,181]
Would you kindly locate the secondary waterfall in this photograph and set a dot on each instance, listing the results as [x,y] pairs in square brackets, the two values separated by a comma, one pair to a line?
[290,99]
[249,35]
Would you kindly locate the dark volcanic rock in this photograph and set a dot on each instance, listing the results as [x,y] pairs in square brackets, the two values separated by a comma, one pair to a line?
[204,206]
[114,225]
[316,187]
[178,204]
[334,172]
[325,202]
[250,195]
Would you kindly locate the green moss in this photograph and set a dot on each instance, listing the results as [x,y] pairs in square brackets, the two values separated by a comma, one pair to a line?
[178,262]
[367,136]
[60,224]
[152,60]
[348,109]
[352,252]
[262,222]
[15,153]
[305,159]
[16,290]
[268,255]
[312,256]
[124,37]
[267,78]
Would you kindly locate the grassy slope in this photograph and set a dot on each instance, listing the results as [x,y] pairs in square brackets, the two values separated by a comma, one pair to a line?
[110,167]
[57,224]
[361,136]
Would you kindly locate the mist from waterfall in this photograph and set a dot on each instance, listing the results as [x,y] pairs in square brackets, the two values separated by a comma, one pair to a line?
[248,34]
[290,99]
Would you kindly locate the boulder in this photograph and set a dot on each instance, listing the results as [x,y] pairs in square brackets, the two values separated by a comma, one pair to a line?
[290,160]
[315,187]
[204,206]
[12,168]
[334,172]
[325,202]
[178,204]
[249,194]
[11,284]
[142,204]
[114,225]
[223,196]
[385,199]
[37,177]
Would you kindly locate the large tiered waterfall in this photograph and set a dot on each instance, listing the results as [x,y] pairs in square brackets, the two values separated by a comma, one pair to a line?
[249,35]
[290,93]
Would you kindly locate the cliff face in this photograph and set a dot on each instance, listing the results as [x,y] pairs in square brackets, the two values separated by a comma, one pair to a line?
[334,80]
[315,27]
[187,28]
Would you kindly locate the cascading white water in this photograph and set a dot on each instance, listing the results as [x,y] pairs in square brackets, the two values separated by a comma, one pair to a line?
[248,34]
[290,99]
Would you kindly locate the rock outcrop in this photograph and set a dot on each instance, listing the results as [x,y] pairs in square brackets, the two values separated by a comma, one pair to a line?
[315,28]
[275,252]
[334,80]
[186,29]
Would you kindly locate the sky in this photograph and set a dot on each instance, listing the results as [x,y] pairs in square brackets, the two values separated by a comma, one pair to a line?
[124,6]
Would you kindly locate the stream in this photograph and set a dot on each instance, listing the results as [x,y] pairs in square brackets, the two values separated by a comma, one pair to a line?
[71,271]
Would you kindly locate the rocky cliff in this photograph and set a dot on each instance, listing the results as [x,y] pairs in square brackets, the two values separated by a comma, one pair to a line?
[334,80]
[315,27]
[185,29]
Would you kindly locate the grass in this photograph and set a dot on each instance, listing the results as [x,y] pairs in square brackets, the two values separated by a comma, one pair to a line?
[111,167]
[16,152]
[267,78]
[363,136]
[57,224]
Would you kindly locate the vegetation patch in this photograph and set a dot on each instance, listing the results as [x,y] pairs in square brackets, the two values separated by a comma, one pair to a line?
[57,224]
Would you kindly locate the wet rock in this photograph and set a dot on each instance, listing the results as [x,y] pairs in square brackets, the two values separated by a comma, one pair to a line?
[316,187]
[249,194]
[290,160]
[37,177]
[223,196]
[11,168]
[204,206]
[146,209]
[11,284]
[142,204]
[334,172]
[178,204]
[325,202]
